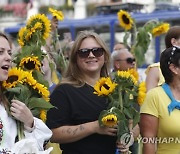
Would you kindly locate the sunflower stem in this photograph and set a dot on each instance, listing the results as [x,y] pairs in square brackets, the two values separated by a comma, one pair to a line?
[56,40]
[20,130]
[134,37]
[120,99]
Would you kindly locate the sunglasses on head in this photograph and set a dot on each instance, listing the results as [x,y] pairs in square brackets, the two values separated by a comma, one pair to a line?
[128,60]
[174,49]
[84,53]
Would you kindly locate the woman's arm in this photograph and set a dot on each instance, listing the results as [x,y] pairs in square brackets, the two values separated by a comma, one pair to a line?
[34,128]
[21,112]
[68,134]
[148,129]
[136,131]
[152,78]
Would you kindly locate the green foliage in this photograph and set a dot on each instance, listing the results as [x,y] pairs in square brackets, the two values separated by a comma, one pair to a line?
[141,39]
[40,103]
[40,78]
[122,99]
[20,92]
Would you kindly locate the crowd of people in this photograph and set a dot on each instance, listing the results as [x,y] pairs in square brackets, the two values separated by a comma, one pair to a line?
[73,121]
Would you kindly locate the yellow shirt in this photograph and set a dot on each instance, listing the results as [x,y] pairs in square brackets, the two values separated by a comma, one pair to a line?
[161,78]
[156,104]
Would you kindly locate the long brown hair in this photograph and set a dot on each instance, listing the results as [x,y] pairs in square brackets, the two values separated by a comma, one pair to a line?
[3,98]
[73,74]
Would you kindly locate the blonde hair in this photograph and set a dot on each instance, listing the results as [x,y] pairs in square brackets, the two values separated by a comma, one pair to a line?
[73,74]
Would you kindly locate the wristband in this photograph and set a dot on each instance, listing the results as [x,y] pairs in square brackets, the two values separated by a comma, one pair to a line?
[29,129]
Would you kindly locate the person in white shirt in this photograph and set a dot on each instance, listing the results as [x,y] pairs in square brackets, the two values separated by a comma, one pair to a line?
[34,129]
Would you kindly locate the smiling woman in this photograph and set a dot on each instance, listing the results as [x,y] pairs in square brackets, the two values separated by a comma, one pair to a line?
[35,131]
[74,121]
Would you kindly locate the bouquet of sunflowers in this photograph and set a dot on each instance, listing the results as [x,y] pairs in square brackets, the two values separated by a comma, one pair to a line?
[55,43]
[141,37]
[25,81]
[123,92]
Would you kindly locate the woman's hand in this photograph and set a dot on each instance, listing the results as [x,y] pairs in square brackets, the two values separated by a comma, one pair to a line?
[22,113]
[122,148]
[111,131]
[136,131]
[125,141]
[54,24]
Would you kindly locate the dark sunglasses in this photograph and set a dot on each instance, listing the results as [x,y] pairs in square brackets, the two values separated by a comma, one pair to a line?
[84,53]
[128,60]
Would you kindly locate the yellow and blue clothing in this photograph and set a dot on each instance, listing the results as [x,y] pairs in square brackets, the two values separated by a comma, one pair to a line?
[161,78]
[156,104]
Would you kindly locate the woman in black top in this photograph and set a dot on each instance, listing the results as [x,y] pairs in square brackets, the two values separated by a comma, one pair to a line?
[74,120]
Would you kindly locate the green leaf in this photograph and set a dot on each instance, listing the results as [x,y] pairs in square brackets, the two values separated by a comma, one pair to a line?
[21,93]
[36,112]
[122,128]
[136,118]
[40,78]
[128,112]
[35,102]
[102,114]
[119,114]
[15,90]
[129,91]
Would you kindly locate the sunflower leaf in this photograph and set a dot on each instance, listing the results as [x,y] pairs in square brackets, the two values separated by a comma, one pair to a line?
[21,93]
[40,78]
[35,102]
[136,118]
[122,128]
[102,114]
[128,112]
[36,112]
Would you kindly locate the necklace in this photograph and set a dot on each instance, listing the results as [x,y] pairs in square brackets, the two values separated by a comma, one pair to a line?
[1,130]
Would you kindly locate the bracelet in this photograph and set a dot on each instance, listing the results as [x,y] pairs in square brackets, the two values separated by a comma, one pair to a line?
[29,129]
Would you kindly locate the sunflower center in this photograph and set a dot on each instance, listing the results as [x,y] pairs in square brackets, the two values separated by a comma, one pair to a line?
[29,65]
[106,86]
[12,78]
[125,19]
[112,119]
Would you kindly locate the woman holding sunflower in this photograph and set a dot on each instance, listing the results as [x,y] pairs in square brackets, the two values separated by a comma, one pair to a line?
[74,120]
[34,128]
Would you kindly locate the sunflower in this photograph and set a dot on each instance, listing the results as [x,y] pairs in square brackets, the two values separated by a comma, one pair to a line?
[44,28]
[30,63]
[42,90]
[127,76]
[43,114]
[29,79]
[125,20]
[15,76]
[37,26]
[104,86]
[58,14]
[31,31]
[110,120]
[160,29]
[47,99]
[134,73]
[21,36]
[141,93]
